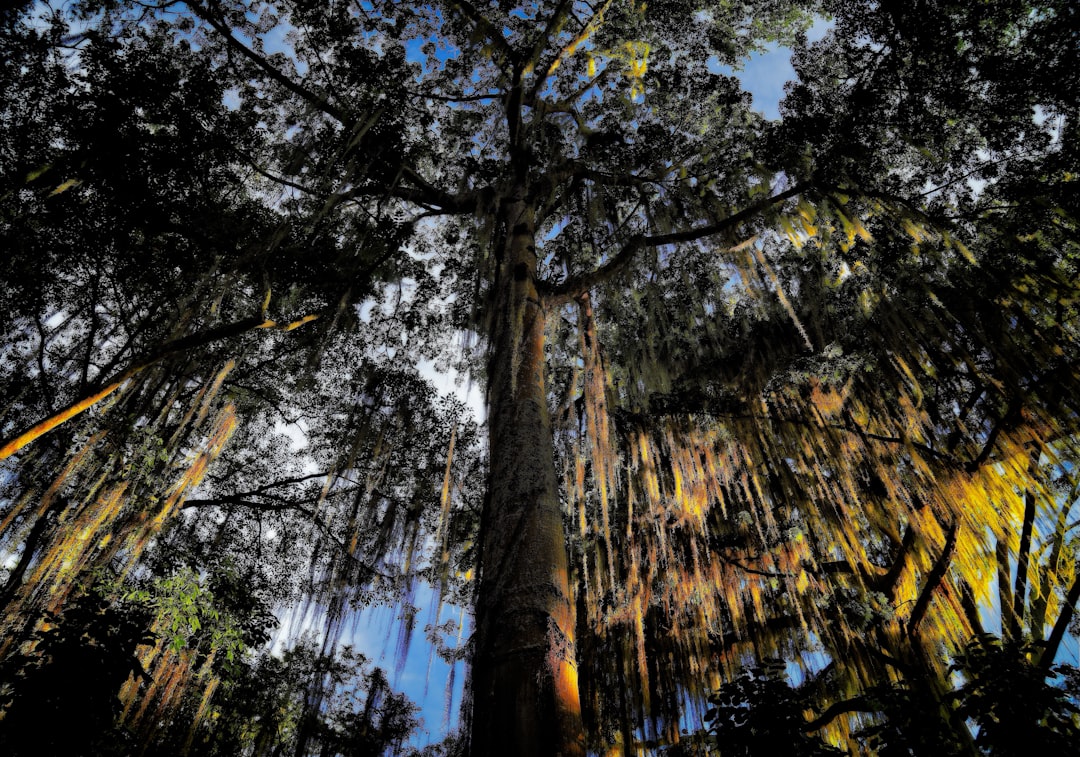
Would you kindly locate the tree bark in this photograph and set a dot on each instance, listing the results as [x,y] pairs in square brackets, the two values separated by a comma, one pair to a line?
[524,676]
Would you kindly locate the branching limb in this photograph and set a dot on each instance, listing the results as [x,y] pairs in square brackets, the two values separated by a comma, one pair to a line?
[575,286]
[933,580]
[319,102]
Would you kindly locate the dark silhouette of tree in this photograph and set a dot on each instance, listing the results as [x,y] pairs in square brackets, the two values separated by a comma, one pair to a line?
[1011,702]
[62,697]
[759,713]
[909,724]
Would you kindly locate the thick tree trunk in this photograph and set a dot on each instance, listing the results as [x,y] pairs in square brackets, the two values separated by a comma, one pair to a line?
[524,677]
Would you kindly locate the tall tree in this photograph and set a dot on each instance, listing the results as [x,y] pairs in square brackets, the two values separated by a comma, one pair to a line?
[802,380]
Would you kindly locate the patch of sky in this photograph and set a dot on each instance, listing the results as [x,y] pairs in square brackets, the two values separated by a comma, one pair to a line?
[411,663]
[765,73]
[296,431]
[449,381]
[414,52]
[811,662]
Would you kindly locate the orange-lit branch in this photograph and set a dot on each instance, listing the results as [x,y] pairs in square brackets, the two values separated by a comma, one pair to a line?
[13,445]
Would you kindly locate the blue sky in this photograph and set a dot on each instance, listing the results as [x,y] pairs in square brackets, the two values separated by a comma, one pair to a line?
[764,77]
[424,676]
[765,73]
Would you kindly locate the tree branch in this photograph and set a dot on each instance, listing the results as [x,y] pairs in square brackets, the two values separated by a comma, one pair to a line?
[94,395]
[933,580]
[238,500]
[1011,416]
[575,286]
[1023,553]
[320,102]
[1053,641]
[424,194]
[888,581]
[855,704]
[589,29]
[542,39]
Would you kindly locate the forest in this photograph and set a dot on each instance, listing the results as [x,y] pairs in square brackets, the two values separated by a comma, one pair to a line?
[776,453]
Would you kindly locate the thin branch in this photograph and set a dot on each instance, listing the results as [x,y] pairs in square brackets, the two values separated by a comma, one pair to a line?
[240,500]
[972,172]
[283,181]
[424,194]
[855,704]
[478,97]
[933,580]
[237,500]
[1012,414]
[320,102]
[850,427]
[578,285]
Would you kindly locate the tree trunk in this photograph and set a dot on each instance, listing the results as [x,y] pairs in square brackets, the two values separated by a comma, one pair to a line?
[524,676]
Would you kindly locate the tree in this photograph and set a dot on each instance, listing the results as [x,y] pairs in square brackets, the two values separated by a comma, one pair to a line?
[260,707]
[93,642]
[794,374]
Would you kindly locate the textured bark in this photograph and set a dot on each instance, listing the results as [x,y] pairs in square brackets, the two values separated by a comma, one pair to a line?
[524,678]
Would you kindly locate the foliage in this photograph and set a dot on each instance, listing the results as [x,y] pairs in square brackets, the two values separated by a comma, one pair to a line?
[759,713]
[910,722]
[261,708]
[62,696]
[1008,697]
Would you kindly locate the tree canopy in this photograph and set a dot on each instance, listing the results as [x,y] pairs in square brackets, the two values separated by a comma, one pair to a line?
[778,449]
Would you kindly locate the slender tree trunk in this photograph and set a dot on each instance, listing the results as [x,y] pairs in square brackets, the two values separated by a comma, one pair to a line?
[524,677]
[1023,553]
